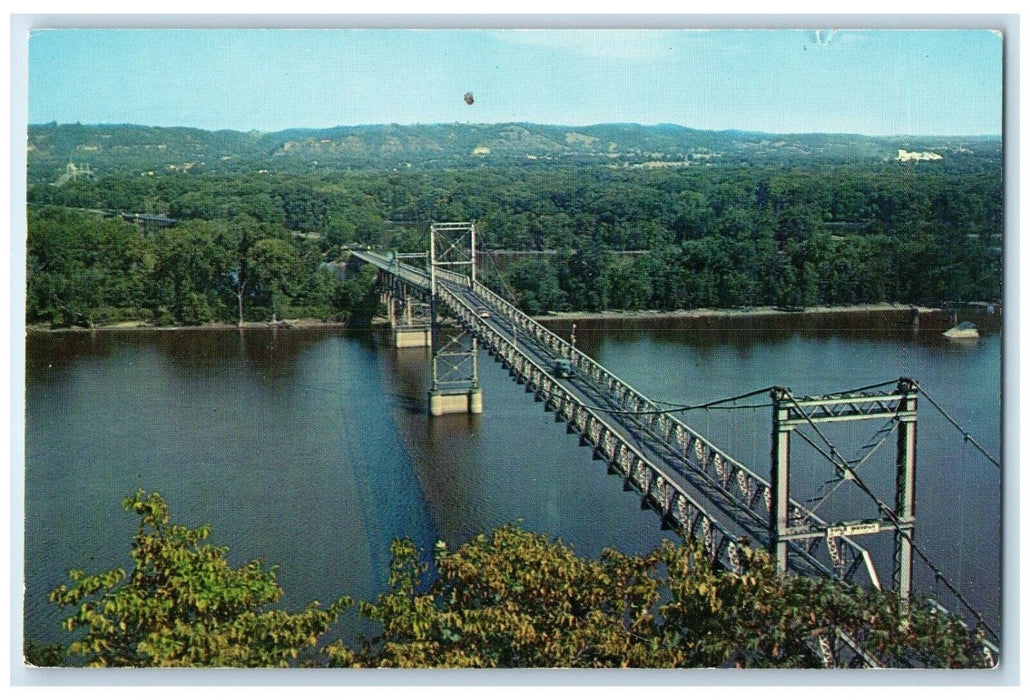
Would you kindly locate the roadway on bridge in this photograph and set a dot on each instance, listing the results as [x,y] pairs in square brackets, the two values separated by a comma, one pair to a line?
[735,517]
[710,496]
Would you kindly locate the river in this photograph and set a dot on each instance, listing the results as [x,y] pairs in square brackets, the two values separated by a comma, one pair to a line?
[311,449]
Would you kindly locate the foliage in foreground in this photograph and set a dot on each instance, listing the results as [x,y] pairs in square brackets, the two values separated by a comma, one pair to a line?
[184,605]
[510,599]
[517,599]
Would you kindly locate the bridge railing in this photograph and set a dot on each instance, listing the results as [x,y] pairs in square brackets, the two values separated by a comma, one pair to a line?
[750,492]
[658,489]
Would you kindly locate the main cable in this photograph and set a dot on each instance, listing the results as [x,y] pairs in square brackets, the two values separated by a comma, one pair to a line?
[965,434]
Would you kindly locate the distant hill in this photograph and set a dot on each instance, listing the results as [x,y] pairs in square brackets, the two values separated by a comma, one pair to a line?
[113,149]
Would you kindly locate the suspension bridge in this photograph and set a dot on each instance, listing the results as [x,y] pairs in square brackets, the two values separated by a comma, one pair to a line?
[695,487]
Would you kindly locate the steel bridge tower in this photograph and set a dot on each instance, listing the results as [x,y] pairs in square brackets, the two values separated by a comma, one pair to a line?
[409,315]
[452,258]
[787,524]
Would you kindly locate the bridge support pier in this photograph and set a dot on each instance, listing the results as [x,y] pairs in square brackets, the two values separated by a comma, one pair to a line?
[455,401]
[410,328]
[455,387]
[412,337]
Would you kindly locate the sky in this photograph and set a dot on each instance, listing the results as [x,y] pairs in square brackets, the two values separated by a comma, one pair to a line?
[875,82]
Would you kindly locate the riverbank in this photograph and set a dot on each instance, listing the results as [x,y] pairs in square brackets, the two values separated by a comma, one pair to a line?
[543,318]
[144,326]
[724,313]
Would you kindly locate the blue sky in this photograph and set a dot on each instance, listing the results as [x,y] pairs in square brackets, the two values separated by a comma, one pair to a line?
[944,82]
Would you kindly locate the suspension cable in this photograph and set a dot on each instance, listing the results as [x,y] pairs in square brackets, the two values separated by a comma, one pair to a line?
[965,434]
[861,389]
[681,408]
[686,407]
[491,265]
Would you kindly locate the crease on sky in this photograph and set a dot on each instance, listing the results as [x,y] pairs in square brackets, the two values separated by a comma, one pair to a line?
[599,43]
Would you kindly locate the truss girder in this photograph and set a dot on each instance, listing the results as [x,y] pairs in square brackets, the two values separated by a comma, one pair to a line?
[839,408]
[809,536]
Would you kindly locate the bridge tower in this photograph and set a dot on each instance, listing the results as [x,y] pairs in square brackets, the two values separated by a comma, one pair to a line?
[786,523]
[455,385]
[410,323]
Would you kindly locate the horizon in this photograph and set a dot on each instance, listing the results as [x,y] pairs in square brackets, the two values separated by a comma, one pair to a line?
[869,82]
[55,124]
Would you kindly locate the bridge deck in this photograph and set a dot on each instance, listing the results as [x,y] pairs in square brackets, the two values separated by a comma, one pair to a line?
[691,483]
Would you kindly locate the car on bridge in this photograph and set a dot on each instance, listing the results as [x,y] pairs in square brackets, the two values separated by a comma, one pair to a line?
[564,369]
[482,312]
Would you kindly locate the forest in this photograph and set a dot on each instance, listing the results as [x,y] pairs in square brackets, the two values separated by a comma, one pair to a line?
[258,244]
[85,271]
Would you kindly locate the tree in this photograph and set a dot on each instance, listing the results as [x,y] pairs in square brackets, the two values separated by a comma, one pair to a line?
[584,275]
[262,268]
[518,599]
[184,605]
[82,269]
[537,289]
[237,240]
[190,261]
[508,599]
[274,268]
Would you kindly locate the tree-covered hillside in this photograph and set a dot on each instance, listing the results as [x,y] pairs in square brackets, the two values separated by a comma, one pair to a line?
[793,224]
[130,149]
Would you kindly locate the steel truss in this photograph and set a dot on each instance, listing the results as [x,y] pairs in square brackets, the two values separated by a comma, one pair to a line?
[452,251]
[898,408]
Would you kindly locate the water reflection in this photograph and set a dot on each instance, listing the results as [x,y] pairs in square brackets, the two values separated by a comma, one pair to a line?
[742,330]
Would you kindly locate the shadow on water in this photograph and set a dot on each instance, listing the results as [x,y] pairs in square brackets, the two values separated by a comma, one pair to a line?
[283,441]
[511,464]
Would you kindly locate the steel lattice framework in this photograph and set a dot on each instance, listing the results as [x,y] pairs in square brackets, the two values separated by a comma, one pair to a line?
[452,251]
[898,409]
[695,487]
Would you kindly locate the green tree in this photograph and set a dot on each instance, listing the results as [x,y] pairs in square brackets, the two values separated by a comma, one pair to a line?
[511,599]
[190,261]
[274,268]
[508,599]
[584,275]
[39,654]
[518,599]
[536,286]
[184,605]
[82,269]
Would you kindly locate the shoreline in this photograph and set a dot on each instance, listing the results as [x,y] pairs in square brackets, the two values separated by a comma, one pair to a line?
[731,313]
[302,324]
[290,324]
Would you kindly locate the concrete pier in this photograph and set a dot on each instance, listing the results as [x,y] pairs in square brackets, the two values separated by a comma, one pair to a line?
[455,401]
[412,337]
